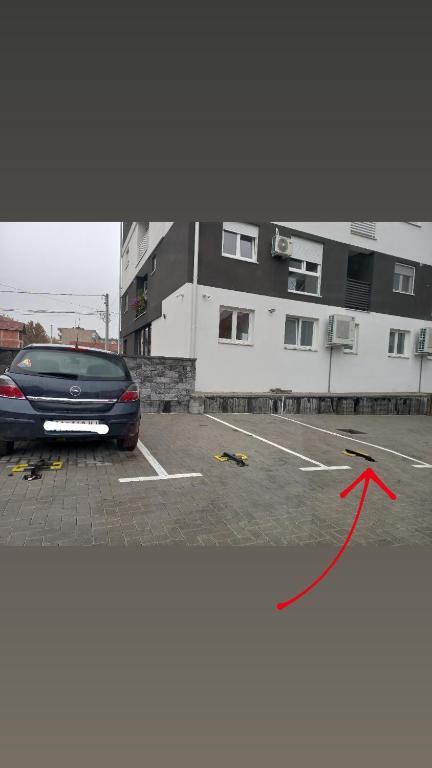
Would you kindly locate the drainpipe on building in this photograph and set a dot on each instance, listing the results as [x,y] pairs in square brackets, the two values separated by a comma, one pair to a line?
[194,294]
[420,375]
[329,372]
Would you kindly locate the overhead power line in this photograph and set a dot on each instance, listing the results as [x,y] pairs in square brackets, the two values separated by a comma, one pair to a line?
[42,293]
[105,315]
[54,312]
[52,293]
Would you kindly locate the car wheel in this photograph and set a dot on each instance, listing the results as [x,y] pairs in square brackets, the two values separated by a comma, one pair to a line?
[6,447]
[128,443]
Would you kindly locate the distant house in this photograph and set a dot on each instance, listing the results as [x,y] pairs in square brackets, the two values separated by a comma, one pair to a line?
[82,335]
[11,333]
[87,337]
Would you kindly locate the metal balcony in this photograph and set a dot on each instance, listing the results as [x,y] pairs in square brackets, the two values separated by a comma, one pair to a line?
[357,294]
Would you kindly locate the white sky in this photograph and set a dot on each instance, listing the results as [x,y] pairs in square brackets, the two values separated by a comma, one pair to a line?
[63,257]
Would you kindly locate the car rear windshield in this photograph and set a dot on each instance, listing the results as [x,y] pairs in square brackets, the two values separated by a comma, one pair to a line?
[70,363]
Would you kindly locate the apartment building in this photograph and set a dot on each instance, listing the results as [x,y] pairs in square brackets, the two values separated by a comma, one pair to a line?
[301,306]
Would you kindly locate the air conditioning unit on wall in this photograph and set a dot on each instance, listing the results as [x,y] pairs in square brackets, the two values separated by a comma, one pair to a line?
[341,330]
[282,246]
[424,341]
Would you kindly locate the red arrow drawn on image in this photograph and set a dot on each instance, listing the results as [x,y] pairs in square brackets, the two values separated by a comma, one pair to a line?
[365,478]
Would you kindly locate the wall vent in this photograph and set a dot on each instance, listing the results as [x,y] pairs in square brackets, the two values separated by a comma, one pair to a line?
[364,229]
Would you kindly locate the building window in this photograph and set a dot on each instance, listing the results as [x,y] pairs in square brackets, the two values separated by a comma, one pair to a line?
[235,325]
[239,241]
[364,229]
[125,343]
[304,277]
[127,257]
[140,301]
[300,333]
[143,341]
[398,343]
[352,349]
[125,302]
[403,281]
[154,263]
[147,341]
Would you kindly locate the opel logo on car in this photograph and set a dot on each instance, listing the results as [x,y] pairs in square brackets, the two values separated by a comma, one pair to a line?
[75,391]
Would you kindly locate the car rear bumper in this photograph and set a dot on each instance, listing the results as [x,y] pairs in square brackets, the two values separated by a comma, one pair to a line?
[19,421]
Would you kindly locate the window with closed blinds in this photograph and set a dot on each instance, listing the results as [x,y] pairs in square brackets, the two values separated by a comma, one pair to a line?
[403,280]
[364,229]
[143,239]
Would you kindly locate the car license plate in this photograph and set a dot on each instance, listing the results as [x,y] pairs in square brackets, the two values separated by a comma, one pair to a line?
[82,421]
[77,425]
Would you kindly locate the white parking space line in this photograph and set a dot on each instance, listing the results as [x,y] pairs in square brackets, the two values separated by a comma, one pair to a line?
[161,473]
[151,460]
[419,464]
[318,464]
[158,477]
[317,469]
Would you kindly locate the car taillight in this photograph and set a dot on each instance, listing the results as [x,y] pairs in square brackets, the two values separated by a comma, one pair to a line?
[131,395]
[8,388]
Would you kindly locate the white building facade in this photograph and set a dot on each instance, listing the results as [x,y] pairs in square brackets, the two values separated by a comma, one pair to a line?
[257,320]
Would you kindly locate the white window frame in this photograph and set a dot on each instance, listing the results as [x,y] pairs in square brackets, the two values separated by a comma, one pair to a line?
[304,271]
[300,320]
[407,266]
[349,349]
[238,229]
[397,331]
[233,339]
[154,262]
[126,257]
[126,301]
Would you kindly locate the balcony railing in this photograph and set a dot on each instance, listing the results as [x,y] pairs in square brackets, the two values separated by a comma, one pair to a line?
[357,294]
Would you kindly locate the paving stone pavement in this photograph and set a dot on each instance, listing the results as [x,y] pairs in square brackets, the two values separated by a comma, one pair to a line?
[270,502]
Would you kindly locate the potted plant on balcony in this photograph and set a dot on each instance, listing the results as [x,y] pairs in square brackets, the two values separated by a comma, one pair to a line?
[139,304]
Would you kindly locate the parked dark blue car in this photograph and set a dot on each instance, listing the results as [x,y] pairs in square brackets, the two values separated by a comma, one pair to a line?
[53,390]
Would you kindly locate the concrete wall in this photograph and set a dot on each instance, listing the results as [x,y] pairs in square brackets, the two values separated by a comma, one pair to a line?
[269,277]
[166,383]
[397,238]
[171,333]
[266,364]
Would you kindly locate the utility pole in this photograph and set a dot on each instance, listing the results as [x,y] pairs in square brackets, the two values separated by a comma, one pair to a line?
[106,320]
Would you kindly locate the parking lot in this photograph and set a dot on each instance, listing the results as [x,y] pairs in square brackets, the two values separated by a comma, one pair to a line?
[173,491]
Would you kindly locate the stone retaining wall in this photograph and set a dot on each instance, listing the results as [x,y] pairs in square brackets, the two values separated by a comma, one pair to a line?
[166,383]
[378,405]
